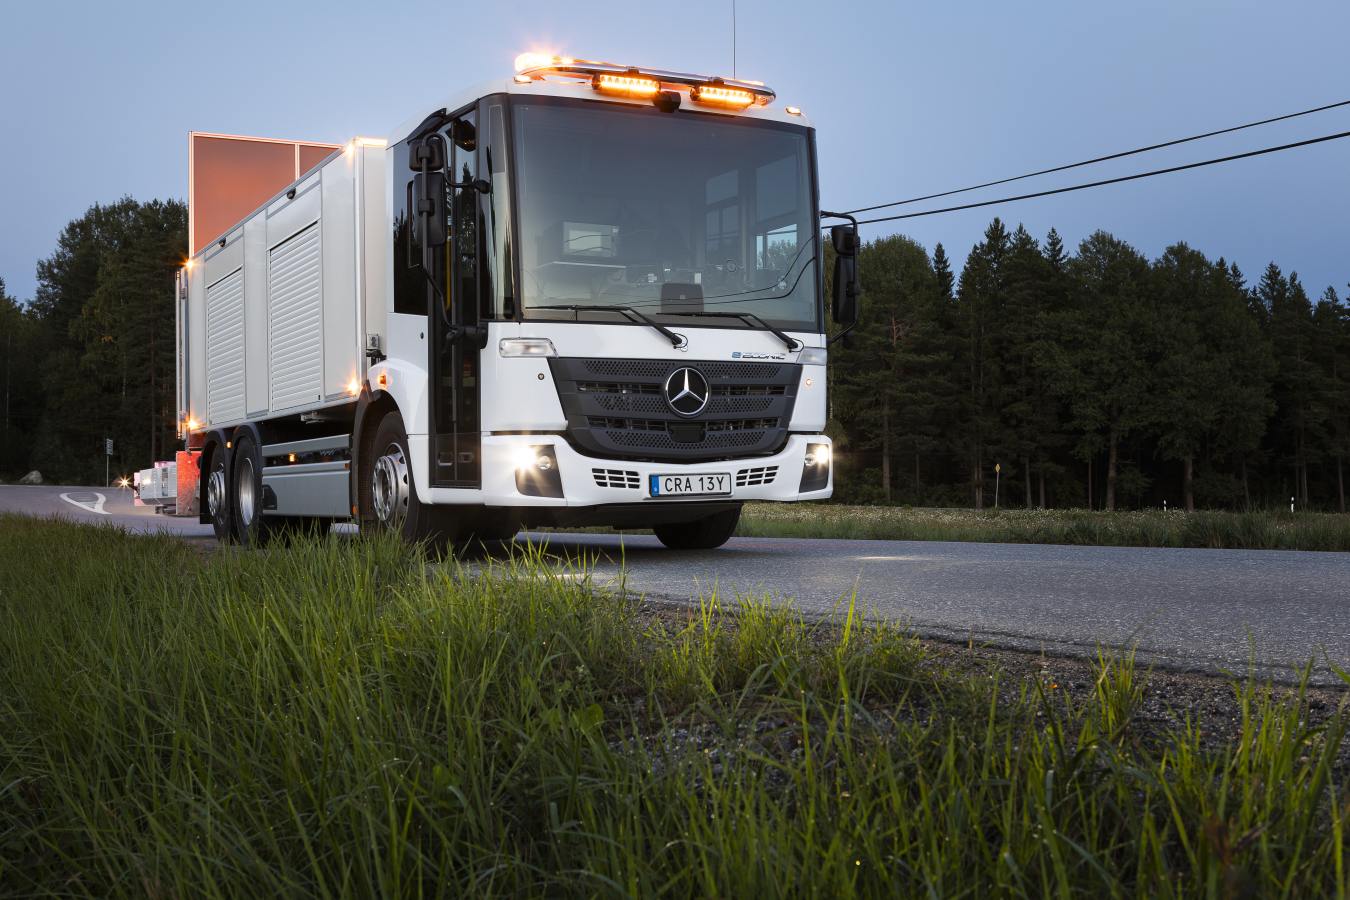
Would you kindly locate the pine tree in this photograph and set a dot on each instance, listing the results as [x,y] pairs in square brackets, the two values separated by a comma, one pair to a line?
[942,268]
[1113,349]
[1028,347]
[1244,385]
[1331,336]
[979,309]
[1296,387]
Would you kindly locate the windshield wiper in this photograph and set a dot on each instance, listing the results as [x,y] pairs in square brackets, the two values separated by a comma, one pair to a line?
[750,319]
[676,340]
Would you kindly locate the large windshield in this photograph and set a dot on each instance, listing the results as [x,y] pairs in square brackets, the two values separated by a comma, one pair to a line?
[668,214]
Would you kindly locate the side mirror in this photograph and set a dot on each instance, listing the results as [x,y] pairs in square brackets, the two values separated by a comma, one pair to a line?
[844,304]
[427,153]
[429,221]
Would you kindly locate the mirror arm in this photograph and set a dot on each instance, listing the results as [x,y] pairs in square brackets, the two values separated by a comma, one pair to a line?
[824,214]
[842,333]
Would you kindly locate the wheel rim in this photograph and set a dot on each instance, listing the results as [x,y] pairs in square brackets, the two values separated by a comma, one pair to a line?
[215,492]
[245,489]
[389,487]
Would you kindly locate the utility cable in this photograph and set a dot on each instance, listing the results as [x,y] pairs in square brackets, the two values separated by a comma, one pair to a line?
[1111,156]
[1106,181]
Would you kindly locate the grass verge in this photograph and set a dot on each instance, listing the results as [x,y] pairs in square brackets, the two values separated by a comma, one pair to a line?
[1270,530]
[338,717]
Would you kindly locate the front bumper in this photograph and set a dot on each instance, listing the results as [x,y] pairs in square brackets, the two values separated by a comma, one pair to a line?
[589,481]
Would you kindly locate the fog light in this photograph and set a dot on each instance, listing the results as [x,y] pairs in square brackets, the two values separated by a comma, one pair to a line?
[815,468]
[537,472]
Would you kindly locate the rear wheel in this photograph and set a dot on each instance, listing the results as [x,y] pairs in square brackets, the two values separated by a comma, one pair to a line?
[251,527]
[700,534]
[218,507]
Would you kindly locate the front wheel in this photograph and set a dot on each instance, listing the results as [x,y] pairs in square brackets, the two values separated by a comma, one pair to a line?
[700,534]
[394,506]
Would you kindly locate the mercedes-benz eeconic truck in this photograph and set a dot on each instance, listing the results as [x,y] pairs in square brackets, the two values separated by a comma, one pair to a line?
[588,294]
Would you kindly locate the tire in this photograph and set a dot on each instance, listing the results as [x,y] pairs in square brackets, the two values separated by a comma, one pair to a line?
[392,488]
[218,506]
[251,527]
[701,534]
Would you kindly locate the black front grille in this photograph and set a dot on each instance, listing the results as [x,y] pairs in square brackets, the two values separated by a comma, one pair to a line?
[617,408]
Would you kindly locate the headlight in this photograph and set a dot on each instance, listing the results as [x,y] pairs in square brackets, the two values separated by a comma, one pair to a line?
[514,348]
[813,356]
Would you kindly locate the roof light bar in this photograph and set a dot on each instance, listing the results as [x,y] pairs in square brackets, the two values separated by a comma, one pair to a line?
[642,83]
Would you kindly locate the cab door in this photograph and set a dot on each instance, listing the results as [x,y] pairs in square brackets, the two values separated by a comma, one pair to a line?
[456,435]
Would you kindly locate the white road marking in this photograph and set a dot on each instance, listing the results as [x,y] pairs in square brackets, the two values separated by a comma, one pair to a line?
[84,505]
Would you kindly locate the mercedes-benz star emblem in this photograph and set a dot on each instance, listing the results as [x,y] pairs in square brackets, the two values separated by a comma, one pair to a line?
[687,392]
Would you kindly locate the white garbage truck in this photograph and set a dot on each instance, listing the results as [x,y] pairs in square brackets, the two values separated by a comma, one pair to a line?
[586,294]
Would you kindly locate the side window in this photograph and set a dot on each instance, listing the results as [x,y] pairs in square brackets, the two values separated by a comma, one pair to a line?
[495,272]
[464,213]
[409,285]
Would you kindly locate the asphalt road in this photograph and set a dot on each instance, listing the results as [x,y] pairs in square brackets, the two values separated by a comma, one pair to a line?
[1206,610]
[1190,609]
[99,505]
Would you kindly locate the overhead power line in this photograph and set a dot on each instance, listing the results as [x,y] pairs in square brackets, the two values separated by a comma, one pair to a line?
[1108,157]
[1106,181]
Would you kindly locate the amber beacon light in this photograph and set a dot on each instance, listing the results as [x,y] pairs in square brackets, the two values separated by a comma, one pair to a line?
[721,95]
[627,85]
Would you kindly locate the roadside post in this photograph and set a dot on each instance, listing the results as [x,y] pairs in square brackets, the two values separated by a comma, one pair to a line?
[997,468]
[107,461]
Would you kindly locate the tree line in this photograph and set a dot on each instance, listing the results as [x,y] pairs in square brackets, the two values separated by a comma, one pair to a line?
[92,356]
[1097,378]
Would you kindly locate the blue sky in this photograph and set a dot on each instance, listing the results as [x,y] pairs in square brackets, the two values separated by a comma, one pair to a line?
[908,98]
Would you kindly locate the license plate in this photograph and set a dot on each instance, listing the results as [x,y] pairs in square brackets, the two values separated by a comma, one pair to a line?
[703,484]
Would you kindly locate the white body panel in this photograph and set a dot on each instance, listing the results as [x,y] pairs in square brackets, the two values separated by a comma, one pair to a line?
[277,309]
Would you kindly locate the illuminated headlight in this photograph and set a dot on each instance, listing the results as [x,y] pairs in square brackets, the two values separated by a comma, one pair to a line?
[537,472]
[816,468]
[813,356]
[514,348]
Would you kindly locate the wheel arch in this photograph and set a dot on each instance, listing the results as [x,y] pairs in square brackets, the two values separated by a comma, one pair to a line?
[370,409]
[215,441]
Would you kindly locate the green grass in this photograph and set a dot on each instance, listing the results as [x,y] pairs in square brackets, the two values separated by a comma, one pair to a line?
[339,718]
[1148,528]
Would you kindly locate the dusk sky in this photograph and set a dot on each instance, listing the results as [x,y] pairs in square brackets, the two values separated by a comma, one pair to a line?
[96,100]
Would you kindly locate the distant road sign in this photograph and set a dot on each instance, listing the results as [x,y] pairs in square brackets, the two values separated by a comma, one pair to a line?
[107,447]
